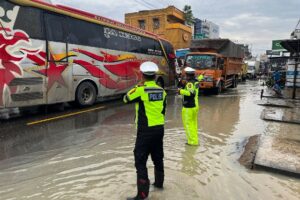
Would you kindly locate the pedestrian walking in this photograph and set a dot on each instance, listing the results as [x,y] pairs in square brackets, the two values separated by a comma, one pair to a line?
[190,106]
[150,100]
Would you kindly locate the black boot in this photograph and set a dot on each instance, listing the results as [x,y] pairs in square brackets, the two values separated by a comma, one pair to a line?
[159,179]
[143,190]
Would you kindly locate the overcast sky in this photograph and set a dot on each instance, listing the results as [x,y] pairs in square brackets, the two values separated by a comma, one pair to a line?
[254,22]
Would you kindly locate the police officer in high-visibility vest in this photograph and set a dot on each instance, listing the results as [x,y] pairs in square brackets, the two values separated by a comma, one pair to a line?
[150,104]
[190,106]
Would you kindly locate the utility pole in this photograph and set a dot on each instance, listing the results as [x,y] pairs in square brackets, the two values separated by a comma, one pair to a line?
[297,60]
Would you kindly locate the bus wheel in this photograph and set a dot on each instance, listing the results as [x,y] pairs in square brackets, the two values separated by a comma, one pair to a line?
[160,82]
[85,94]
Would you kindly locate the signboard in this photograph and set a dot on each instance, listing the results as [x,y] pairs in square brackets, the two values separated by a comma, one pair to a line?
[270,52]
[180,53]
[199,36]
[276,45]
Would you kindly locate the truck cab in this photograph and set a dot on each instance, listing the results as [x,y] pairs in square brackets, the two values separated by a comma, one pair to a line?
[208,64]
[219,61]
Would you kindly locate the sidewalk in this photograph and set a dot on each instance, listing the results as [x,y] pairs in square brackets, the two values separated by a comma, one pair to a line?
[280,152]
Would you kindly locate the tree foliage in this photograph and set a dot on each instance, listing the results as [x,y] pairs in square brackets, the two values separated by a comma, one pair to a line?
[188,14]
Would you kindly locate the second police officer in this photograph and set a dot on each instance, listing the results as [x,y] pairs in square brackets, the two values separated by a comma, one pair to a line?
[190,106]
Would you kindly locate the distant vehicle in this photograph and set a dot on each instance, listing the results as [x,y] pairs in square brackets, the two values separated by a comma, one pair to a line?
[218,60]
[243,73]
[52,54]
[253,67]
[180,55]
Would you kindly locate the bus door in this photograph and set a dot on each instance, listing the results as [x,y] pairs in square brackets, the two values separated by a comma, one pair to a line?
[84,40]
[59,71]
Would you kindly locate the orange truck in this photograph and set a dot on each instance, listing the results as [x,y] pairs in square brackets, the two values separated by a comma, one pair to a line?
[219,61]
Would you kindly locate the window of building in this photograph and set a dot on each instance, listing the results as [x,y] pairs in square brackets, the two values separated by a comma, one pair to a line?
[156,23]
[142,24]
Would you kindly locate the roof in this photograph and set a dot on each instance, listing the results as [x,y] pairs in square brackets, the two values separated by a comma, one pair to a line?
[292,46]
[83,15]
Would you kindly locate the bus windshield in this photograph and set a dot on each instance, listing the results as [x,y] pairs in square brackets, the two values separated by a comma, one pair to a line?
[200,61]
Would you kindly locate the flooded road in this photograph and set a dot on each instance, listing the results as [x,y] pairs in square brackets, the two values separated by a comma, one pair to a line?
[89,156]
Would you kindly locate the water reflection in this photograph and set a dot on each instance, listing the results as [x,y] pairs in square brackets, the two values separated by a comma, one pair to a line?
[190,162]
[220,115]
[61,133]
[90,156]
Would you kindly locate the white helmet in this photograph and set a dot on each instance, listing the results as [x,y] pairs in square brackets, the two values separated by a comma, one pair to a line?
[149,68]
[189,70]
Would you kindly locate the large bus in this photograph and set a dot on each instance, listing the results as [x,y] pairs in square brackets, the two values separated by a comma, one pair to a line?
[52,53]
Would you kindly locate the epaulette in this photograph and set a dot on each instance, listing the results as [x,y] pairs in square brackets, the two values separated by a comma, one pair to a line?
[140,85]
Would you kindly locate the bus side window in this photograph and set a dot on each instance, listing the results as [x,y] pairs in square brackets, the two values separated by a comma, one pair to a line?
[55,28]
[148,46]
[88,34]
[29,20]
[115,40]
[134,46]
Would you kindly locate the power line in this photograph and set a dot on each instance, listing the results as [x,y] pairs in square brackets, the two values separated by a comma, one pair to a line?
[163,3]
[297,24]
[148,3]
[145,5]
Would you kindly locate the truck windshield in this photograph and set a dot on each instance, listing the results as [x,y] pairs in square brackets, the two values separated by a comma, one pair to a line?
[250,67]
[200,61]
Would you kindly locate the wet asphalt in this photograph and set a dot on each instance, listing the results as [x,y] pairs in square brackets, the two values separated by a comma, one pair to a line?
[87,153]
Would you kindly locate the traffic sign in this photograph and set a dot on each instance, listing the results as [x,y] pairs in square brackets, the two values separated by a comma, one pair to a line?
[276,45]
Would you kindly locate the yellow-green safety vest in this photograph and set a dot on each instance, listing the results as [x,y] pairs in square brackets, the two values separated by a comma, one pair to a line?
[150,104]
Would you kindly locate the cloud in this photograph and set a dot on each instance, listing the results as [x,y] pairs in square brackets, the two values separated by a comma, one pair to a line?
[255,22]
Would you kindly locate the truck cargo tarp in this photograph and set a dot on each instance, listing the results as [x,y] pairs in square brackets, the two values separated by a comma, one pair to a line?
[221,46]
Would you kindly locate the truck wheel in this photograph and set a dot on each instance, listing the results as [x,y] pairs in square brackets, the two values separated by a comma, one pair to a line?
[85,94]
[218,89]
[235,82]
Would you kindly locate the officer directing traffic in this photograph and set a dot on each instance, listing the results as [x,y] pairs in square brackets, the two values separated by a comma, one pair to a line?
[190,106]
[150,105]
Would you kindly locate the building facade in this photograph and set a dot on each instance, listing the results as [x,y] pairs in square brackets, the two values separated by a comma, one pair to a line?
[206,29]
[168,23]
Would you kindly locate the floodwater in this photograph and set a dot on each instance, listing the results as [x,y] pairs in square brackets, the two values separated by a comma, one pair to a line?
[90,156]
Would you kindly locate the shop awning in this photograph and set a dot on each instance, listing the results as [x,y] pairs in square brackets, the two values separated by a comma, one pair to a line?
[292,46]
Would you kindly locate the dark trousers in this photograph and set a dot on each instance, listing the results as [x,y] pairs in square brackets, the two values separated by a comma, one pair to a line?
[149,141]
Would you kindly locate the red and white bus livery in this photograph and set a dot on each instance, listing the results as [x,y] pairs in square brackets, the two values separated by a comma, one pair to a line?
[51,54]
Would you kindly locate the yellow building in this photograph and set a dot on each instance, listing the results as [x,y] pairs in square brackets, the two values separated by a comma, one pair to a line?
[167,23]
